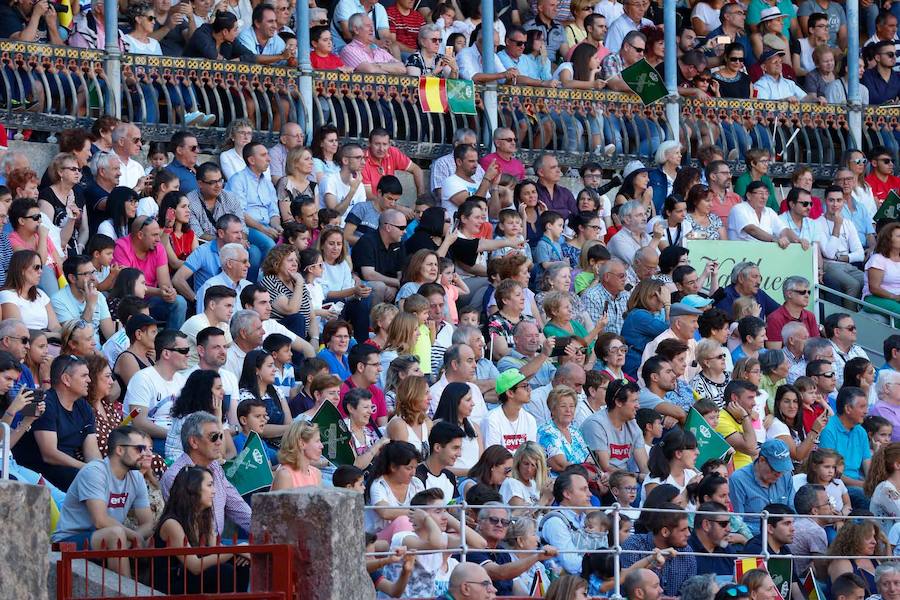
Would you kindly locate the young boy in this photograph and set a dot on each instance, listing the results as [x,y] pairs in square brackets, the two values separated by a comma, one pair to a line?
[279,346]
[708,410]
[548,248]
[349,478]
[848,586]
[469,316]
[418,305]
[100,248]
[511,226]
[623,486]
[650,423]
[252,416]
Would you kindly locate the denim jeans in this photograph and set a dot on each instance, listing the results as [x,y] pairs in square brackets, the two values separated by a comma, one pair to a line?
[173,313]
[260,241]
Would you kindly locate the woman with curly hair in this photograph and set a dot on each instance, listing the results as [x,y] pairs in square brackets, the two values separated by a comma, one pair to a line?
[883,485]
[858,538]
[284,282]
[411,423]
[187,521]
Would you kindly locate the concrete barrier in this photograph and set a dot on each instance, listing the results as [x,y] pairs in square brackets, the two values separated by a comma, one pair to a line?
[24,540]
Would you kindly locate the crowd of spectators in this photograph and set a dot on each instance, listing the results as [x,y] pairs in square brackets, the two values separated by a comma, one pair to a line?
[503,340]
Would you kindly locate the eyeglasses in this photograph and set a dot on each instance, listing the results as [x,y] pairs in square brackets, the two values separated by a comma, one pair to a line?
[216,436]
[827,375]
[618,350]
[630,488]
[218,181]
[498,521]
[24,340]
[87,273]
[804,203]
[738,59]
[400,227]
[517,43]
[184,351]
[375,364]
[141,448]
[801,292]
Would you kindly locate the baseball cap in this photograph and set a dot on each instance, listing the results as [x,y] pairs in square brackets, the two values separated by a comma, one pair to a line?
[680,309]
[696,301]
[137,322]
[508,380]
[770,54]
[777,455]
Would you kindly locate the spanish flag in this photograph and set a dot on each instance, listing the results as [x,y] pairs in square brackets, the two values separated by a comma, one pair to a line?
[538,584]
[130,417]
[742,565]
[439,95]
[811,588]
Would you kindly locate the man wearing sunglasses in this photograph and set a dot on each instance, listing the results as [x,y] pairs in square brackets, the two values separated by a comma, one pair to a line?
[102,495]
[840,330]
[881,178]
[711,536]
[796,291]
[15,339]
[378,256]
[501,567]
[203,442]
[882,81]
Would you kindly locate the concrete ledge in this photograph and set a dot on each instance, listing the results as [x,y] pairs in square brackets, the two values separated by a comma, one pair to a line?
[100,582]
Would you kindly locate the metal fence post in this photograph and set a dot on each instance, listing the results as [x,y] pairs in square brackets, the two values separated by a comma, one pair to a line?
[462,532]
[6,450]
[301,16]
[764,533]
[671,70]
[488,56]
[617,556]
[855,116]
[113,61]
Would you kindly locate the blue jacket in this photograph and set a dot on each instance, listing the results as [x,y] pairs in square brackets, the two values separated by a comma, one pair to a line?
[659,183]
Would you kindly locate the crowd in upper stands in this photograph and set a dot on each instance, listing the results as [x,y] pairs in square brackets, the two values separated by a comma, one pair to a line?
[499,339]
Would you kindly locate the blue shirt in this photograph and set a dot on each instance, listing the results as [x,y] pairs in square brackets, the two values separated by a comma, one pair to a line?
[186,176]
[881,91]
[730,295]
[68,307]
[558,533]
[341,368]
[257,194]
[862,219]
[527,65]
[204,262]
[852,444]
[273,47]
[748,494]
[639,329]
[240,440]
[711,564]
[220,279]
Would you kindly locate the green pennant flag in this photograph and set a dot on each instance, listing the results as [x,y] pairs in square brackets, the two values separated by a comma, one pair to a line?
[461,95]
[890,208]
[644,81]
[250,470]
[710,443]
[439,95]
[781,570]
[334,434]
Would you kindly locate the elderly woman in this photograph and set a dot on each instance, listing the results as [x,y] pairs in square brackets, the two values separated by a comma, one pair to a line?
[710,382]
[21,298]
[757,161]
[563,443]
[704,224]
[558,278]
[561,320]
[610,349]
[888,405]
[63,201]
[429,60]
[819,79]
[662,178]
[882,285]
[774,366]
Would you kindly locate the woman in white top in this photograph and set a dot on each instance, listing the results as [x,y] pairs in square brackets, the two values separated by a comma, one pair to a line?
[341,285]
[882,285]
[410,422]
[142,19]
[529,484]
[883,485]
[21,298]
[705,16]
[456,406]
[786,424]
[324,148]
[238,135]
[122,204]
[393,485]
[856,161]
[672,460]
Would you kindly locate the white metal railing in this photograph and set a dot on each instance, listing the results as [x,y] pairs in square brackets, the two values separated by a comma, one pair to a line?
[6,450]
[616,548]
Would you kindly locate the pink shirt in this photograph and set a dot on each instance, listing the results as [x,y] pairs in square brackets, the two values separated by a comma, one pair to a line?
[513,166]
[300,479]
[723,208]
[355,53]
[124,255]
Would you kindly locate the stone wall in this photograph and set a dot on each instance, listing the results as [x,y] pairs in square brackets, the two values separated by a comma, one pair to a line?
[24,540]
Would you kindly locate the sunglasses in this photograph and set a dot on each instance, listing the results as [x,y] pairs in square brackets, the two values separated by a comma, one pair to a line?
[860,161]
[216,436]
[218,181]
[722,523]
[400,227]
[801,292]
[827,375]
[804,203]
[141,448]
[184,351]
[738,590]
[24,340]
[738,59]
[889,54]
[35,218]
[517,43]
[498,521]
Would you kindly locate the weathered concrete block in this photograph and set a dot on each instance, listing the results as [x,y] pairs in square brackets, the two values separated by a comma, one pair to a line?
[24,540]
[325,528]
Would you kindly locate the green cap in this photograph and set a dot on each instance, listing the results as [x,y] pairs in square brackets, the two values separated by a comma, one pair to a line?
[508,380]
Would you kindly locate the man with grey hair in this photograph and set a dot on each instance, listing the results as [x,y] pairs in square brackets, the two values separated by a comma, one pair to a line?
[15,339]
[555,196]
[644,265]
[796,291]
[530,354]
[202,439]
[291,137]
[887,581]
[746,280]
[505,143]
[632,51]
[633,236]
[700,587]
[247,333]
[840,330]
[445,166]
[378,256]
[569,374]
[235,264]
[793,339]
[813,509]
[459,366]
[107,170]
[888,405]
[814,349]
[12,159]
[609,297]
[501,567]
[486,372]
[363,55]
[126,141]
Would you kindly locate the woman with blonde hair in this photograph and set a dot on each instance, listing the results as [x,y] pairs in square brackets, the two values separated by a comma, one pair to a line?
[410,422]
[301,446]
[296,185]
[759,585]
[402,334]
[858,538]
[380,317]
[400,368]
[238,135]
[529,483]
[522,534]
[563,443]
[883,485]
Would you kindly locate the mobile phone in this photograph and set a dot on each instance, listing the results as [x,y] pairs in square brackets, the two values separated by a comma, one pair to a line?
[29,410]
[722,40]
[559,348]
[170,215]
[37,395]
[448,51]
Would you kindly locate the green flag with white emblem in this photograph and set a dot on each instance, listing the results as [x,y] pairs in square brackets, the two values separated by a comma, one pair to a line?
[644,81]
[710,443]
[250,470]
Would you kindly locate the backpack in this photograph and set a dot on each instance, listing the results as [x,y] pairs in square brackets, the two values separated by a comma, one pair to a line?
[581,540]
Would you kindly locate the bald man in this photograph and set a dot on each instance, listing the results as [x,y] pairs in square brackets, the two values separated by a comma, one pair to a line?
[642,584]
[291,137]
[469,581]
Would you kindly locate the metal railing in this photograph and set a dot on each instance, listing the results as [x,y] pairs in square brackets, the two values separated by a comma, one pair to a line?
[5,451]
[615,548]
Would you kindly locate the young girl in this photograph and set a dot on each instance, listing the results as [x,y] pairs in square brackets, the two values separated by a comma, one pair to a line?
[745,306]
[279,346]
[511,227]
[297,234]
[811,403]
[380,317]
[880,431]
[157,156]
[417,305]
[822,469]
[312,267]
[38,358]
[301,447]
[593,256]
[453,286]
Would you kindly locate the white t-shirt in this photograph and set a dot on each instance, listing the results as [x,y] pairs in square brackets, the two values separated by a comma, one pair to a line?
[707,14]
[452,186]
[132,171]
[513,488]
[195,325]
[500,430]
[688,475]
[148,390]
[147,207]
[107,228]
[135,46]
[381,492]
[34,314]
[742,215]
[333,184]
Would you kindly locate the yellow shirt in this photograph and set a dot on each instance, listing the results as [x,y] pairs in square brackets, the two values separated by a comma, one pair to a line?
[728,426]
[422,349]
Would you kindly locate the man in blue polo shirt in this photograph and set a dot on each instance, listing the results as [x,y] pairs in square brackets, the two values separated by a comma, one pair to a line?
[767,480]
[258,198]
[745,281]
[185,148]
[204,262]
[711,536]
[845,435]
[262,37]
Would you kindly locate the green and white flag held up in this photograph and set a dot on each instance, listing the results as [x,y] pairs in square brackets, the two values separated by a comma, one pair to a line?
[644,81]
[710,443]
[334,434]
[250,470]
